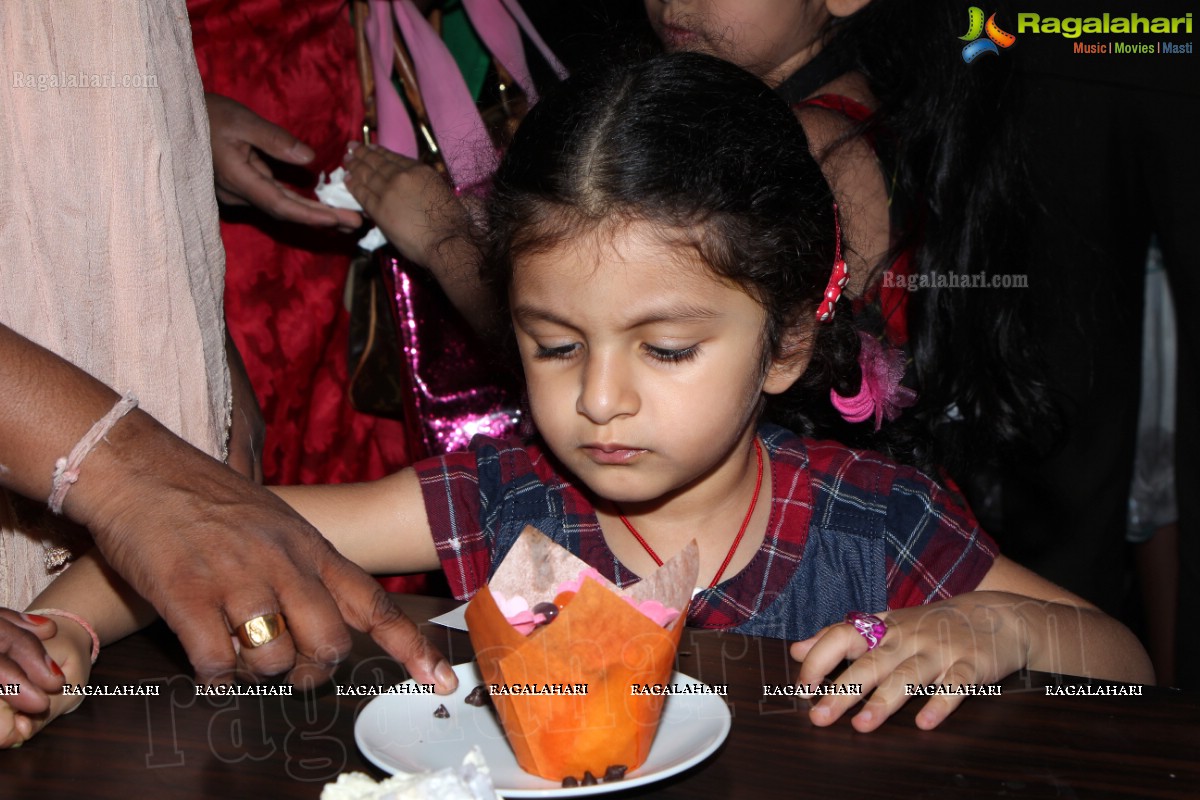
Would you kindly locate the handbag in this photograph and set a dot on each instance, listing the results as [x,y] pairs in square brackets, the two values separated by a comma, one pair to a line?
[412,355]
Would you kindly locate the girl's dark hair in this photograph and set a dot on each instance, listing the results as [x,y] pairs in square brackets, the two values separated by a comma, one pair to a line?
[962,206]
[708,152]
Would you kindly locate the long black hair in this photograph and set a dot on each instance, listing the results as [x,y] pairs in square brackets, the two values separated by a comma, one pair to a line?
[708,152]
[962,205]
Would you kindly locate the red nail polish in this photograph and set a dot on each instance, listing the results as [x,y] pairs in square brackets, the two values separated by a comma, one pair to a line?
[36,619]
[54,667]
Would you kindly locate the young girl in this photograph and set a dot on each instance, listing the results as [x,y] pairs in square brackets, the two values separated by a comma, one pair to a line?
[664,240]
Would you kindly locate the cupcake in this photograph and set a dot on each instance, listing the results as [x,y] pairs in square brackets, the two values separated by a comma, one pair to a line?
[561,649]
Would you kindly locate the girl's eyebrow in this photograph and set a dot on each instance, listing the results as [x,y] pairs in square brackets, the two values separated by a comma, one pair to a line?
[526,313]
[677,313]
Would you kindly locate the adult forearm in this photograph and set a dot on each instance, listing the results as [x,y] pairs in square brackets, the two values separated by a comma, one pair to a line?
[46,406]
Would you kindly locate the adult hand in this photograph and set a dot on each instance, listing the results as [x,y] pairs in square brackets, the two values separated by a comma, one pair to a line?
[239,136]
[974,638]
[70,648]
[24,662]
[212,550]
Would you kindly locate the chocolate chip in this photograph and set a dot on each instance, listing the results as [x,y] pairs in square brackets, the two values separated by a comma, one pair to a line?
[615,773]
[441,712]
[589,779]
[549,610]
[478,697]
[570,782]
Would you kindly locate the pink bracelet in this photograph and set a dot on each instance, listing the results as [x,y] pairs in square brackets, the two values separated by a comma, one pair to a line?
[78,620]
[66,470]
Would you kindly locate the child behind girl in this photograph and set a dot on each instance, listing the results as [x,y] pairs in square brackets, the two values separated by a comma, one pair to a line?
[663,239]
[920,150]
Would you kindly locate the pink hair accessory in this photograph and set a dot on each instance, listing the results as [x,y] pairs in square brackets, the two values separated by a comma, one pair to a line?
[837,279]
[880,393]
[78,620]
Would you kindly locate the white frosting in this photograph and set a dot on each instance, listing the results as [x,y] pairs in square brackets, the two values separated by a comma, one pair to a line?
[471,781]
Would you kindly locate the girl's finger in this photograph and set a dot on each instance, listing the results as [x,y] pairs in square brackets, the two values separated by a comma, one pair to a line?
[840,642]
[799,650]
[857,681]
[892,690]
[940,706]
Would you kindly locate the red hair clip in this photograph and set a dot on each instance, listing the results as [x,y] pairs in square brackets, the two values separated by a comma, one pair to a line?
[837,279]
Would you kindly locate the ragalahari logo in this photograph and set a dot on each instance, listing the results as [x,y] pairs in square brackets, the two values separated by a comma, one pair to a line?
[976,27]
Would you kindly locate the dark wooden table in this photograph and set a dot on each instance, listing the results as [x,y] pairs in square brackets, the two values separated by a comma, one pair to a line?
[1022,744]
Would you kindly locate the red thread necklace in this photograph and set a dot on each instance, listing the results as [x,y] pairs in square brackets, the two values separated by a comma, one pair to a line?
[736,540]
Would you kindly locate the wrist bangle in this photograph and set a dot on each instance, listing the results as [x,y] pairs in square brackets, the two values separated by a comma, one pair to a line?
[78,620]
[66,470]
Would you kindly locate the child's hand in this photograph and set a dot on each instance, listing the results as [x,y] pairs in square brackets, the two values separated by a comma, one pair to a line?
[965,640]
[410,202]
[71,649]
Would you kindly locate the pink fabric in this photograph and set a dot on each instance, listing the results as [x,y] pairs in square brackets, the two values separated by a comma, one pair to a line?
[395,128]
[880,393]
[460,133]
[499,24]
[457,126]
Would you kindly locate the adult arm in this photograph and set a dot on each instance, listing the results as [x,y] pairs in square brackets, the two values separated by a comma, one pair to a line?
[206,547]
[857,181]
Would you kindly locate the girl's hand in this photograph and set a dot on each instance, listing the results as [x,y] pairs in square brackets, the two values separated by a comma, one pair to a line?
[71,648]
[975,638]
[410,202]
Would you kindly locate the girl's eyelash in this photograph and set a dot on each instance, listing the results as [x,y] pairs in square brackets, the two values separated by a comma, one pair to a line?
[673,356]
[562,351]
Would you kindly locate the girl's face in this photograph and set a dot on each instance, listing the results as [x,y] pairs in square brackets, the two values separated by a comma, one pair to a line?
[771,38]
[644,370]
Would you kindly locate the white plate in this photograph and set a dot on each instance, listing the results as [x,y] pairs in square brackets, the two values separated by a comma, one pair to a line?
[399,734]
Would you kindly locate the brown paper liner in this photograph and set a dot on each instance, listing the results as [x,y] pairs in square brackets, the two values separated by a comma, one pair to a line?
[597,640]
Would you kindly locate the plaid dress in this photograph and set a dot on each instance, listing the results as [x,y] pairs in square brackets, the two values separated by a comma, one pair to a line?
[849,530]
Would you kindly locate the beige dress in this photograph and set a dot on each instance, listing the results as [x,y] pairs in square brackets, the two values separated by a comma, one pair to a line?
[110,253]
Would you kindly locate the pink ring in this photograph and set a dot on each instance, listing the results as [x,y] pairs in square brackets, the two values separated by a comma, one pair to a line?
[870,626]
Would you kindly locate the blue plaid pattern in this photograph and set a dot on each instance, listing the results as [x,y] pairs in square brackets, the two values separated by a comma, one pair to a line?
[889,535]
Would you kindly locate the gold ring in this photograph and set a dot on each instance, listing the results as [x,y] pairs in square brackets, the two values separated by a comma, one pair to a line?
[261,629]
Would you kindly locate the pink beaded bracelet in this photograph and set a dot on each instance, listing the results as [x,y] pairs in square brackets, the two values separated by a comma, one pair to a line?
[78,620]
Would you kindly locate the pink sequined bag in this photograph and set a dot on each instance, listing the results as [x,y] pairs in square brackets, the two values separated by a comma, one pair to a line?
[413,356]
